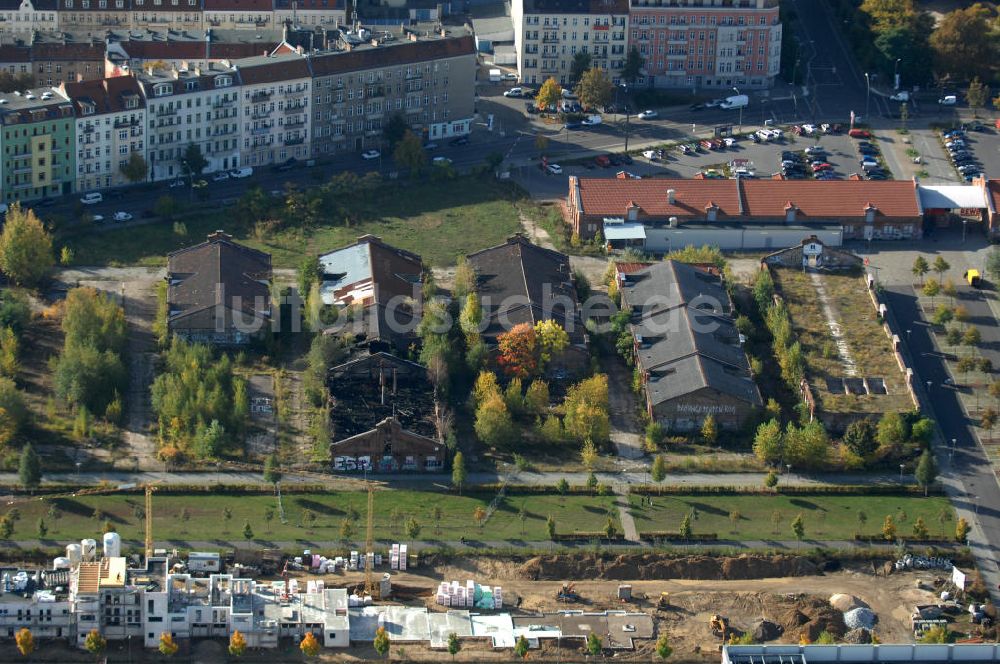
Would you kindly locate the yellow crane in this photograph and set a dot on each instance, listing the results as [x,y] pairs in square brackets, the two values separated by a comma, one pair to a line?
[370,544]
[149,521]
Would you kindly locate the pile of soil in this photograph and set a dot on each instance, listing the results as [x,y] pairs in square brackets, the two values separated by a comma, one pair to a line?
[655,567]
[811,616]
[860,635]
[765,630]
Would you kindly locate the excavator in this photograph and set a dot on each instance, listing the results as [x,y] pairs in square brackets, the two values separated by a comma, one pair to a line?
[568,593]
[719,626]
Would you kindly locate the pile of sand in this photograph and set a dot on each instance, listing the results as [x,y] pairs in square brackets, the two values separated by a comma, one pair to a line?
[845,603]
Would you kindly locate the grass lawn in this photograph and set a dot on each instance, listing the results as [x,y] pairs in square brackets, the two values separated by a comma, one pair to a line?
[206,520]
[437,219]
[862,332]
[824,516]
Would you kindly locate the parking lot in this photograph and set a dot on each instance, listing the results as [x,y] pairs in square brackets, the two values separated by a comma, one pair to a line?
[985,147]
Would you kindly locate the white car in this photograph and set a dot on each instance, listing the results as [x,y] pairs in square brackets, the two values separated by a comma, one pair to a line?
[729,142]
[808,129]
[123,216]
[651,155]
[648,115]
[179,182]
[513,92]
[509,76]
[554,169]
[239,173]
[815,149]
[441,161]
[92,198]
[220,176]
[948,100]
[97,218]
[371,154]
[431,146]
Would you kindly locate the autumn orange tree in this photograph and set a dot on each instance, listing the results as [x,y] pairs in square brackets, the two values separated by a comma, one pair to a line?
[309,645]
[25,641]
[237,644]
[518,351]
[168,647]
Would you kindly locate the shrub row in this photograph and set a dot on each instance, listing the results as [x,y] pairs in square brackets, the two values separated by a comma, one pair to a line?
[911,539]
[586,536]
[673,536]
[533,489]
[820,490]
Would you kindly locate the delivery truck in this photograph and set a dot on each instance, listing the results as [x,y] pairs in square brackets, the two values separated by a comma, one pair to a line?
[735,101]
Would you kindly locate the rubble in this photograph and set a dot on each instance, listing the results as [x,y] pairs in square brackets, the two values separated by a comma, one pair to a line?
[765,630]
[860,618]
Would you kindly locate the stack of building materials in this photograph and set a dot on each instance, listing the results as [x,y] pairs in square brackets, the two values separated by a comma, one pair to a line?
[353,564]
[471,595]
[394,557]
[497,598]
[402,557]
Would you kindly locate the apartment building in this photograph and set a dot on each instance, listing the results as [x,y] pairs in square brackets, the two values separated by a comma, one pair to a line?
[427,76]
[239,14]
[549,33]
[310,13]
[38,143]
[127,52]
[274,107]
[26,16]
[36,600]
[192,106]
[707,43]
[110,128]
[51,58]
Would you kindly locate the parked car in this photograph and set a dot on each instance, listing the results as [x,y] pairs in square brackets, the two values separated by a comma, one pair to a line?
[648,115]
[554,169]
[602,160]
[92,198]
[179,182]
[431,146]
[530,107]
[948,100]
[573,124]
[220,176]
[461,140]
[240,173]
[513,92]
[859,133]
[509,76]
[122,216]
[97,218]
[371,154]
[653,155]
[815,149]
[816,168]
[441,161]
[729,141]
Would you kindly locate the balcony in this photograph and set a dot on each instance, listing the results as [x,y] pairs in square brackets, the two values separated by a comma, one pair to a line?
[260,95]
[296,91]
[295,140]
[122,123]
[261,113]
[415,74]
[295,108]
[165,110]
[552,38]
[259,131]
[294,124]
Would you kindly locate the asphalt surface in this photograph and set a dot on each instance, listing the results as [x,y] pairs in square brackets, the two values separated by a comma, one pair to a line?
[966,473]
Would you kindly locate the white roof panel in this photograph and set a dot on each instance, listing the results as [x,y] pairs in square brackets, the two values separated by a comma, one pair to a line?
[951,196]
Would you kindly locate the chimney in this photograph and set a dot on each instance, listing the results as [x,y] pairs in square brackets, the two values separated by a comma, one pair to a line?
[673,222]
[671,196]
[79,77]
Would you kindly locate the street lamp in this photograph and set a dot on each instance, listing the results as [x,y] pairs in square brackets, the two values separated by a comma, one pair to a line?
[908,337]
[740,130]
[868,93]
[900,473]
[896,74]
[964,222]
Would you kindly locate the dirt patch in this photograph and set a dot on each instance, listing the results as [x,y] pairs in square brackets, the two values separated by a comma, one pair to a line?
[653,567]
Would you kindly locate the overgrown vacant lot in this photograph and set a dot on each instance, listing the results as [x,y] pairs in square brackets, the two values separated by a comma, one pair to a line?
[863,336]
[437,219]
[825,517]
[205,516]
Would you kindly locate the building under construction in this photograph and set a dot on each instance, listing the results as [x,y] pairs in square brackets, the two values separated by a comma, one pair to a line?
[384,416]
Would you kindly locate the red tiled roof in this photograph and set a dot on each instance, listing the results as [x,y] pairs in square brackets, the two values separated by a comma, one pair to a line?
[68,52]
[749,198]
[107,94]
[9,53]
[386,56]
[193,50]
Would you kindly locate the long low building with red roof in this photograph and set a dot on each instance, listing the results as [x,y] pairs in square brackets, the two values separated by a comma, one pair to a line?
[662,214]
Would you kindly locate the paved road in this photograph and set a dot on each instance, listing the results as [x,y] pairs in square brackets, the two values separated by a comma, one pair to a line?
[89,478]
[966,473]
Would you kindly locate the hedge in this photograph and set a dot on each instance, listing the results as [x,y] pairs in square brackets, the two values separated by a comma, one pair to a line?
[674,536]
[586,536]
[819,490]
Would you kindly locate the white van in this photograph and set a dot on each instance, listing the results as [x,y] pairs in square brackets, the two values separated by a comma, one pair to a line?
[735,101]
[244,172]
[495,76]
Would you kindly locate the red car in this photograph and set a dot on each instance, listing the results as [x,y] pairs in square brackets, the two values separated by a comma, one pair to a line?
[602,160]
[822,167]
[859,133]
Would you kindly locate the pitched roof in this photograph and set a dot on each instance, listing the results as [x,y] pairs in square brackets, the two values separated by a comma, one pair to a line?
[993,195]
[380,269]
[108,95]
[363,58]
[673,284]
[743,198]
[238,5]
[524,283]
[198,275]
[72,52]
[12,53]
[272,69]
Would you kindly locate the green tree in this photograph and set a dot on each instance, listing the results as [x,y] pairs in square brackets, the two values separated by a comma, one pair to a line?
[891,434]
[458,472]
[6,527]
[247,531]
[920,268]
[550,527]
[578,67]
[936,634]
[964,43]
[859,438]
[663,649]
[521,647]
[768,442]
[454,645]
[395,129]
[659,470]
[29,470]
[465,280]
[953,336]
[549,94]
[771,479]
[136,168]
[413,528]
[272,471]
[988,421]
[494,425]
[632,68]
[940,266]
[410,154]
[889,528]
[26,254]
[709,430]
[41,528]
[536,399]
[595,88]
[798,527]
[594,645]
[685,529]
[920,529]
[193,161]
[932,287]
[562,486]
[862,518]
[346,529]
[971,337]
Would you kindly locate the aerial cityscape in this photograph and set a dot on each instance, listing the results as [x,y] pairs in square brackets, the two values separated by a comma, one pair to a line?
[500,330]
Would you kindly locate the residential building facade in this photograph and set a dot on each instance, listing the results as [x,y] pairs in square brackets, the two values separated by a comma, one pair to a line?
[429,79]
[275,96]
[38,145]
[110,128]
[549,33]
[192,107]
[27,16]
[707,43]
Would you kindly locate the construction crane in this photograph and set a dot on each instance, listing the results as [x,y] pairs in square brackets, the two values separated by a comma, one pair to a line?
[149,520]
[370,544]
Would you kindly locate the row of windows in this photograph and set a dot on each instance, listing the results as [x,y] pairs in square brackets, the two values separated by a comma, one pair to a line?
[598,20]
[682,19]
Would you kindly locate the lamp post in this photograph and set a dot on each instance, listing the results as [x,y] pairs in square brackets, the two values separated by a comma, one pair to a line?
[868,94]
[896,74]
[901,473]
[740,130]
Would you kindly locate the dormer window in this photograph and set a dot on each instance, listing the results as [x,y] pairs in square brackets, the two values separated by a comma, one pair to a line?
[87,108]
[870,211]
[712,212]
[131,101]
[790,211]
[190,86]
[223,81]
[162,90]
